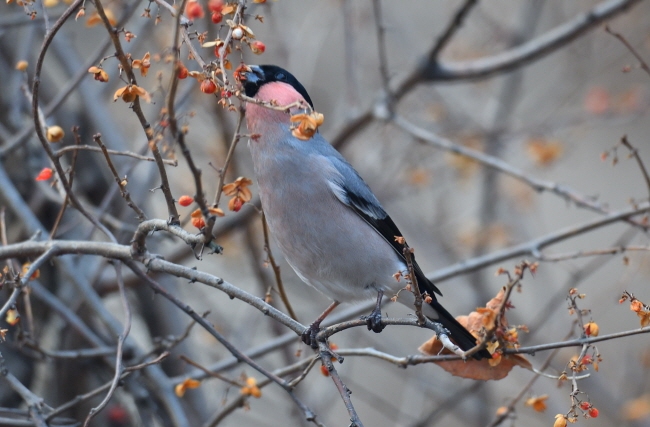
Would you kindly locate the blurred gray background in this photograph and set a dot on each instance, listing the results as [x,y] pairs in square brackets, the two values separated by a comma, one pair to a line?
[570,106]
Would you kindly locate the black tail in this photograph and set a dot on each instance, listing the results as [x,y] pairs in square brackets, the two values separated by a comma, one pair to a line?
[461,336]
[458,334]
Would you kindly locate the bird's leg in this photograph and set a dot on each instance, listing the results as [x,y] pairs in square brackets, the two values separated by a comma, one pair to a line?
[373,320]
[309,335]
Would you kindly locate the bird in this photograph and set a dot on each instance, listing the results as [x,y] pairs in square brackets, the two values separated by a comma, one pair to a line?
[328,224]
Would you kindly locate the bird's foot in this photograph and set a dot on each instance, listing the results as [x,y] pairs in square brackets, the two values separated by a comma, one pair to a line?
[309,335]
[373,321]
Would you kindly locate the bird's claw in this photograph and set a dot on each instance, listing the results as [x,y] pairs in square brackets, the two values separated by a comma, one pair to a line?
[309,335]
[373,321]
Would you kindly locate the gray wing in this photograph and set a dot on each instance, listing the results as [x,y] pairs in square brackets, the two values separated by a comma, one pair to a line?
[353,191]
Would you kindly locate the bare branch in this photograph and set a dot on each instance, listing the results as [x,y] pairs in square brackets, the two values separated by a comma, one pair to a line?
[276,270]
[506,168]
[619,36]
[433,70]
[119,368]
[73,148]
[121,182]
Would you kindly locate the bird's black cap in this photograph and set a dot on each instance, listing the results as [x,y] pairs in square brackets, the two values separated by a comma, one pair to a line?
[263,74]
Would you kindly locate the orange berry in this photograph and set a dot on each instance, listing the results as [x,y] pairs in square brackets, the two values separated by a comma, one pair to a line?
[560,421]
[235,204]
[591,329]
[217,49]
[208,86]
[593,413]
[22,65]
[44,174]
[216,17]
[185,200]
[198,222]
[182,71]
[215,6]
[257,47]
[324,371]
[585,406]
[194,10]
[256,392]
[54,134]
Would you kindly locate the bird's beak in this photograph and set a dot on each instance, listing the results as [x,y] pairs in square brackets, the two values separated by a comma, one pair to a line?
[254,76]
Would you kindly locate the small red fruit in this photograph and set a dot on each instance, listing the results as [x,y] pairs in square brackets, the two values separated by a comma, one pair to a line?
[226,93]
[185,200]
[593,413]
[44,174]
[324,371]
[194,10]
[257,47]
[218,47]
[585,406]
[198,222]
[216,17]
[182,71]
[236,204]
[118,415]
[208,86]
[215,6]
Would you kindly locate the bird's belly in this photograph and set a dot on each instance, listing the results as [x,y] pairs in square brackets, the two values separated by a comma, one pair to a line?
[332,249]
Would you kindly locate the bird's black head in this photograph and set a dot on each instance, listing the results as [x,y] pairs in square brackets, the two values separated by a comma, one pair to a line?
[262,74]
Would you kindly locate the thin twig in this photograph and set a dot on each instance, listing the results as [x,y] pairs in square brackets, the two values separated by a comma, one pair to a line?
[208,372]
[506,168]
[534,247]
[231,150]
[511,405]
[387,99]
[179,137]
[326,358]
[66,201]
[241,399]
[137,109]
[75,148]
[123,252]
[35,404]
[509,60]
[20,285]
[594,252]
[38,121]
[276,270]
[121,182]
[119,362]
[635,153]
[206,325]
[82,398]
[513,282]
[237,19]
[413,280]
[452,28]
[642,63]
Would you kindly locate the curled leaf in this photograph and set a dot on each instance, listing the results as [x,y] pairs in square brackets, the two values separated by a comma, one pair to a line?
[306,125]
[130,92]
[189,383]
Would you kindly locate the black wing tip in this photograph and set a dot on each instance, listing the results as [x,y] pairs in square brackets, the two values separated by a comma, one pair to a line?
[457,332]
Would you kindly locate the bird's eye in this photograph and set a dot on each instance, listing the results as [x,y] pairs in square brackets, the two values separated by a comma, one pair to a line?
[280,76]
